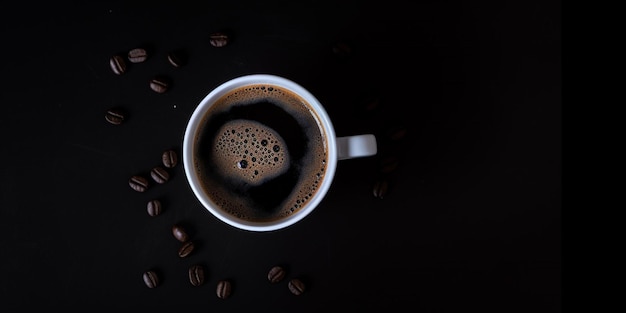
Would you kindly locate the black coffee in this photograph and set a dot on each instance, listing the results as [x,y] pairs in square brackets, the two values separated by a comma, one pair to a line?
[261,153]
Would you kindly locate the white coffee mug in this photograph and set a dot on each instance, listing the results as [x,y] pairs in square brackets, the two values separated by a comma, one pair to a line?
[338,148]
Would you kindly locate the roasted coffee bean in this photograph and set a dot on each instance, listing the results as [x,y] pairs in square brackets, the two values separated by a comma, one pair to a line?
[196,274]
[160,175]
[223,289]
[186,249]
[137,55]
[159,84]
[219,39]
[169,158]
[381,186]
[115,116]
[138,183]
[341,49]
[388,164]
[276,274]
[176,58]
[371,103]
[296,286]
[368,102]
[397,133]
[118,65]
[151,279]
[154,207]
[179,233]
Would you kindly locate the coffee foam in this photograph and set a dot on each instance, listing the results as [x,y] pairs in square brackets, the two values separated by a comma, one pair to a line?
[311,165]
[250,152]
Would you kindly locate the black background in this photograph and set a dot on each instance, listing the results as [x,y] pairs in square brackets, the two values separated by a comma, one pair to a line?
[472,219]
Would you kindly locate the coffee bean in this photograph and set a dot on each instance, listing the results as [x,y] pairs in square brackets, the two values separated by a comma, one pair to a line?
[159,84]
[388,164]
[115,116]
[368,102]
[371,103]
[137,55]
[224,289]
[179,233]
[219,39]
[138,183]
[296,286]
[160,175]
[176,58]
[196,274]
[381,186]
[397,133]
[276,274]
[154,207]
[186,249]
[341,49]
[151,279]
[118,65]
[169,158]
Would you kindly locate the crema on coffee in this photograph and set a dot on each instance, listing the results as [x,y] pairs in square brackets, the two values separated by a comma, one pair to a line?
[260,152]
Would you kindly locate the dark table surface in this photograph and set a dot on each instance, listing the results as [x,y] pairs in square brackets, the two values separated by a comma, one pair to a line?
[471,221]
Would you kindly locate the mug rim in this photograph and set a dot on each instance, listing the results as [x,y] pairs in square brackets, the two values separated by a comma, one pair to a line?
[194,123]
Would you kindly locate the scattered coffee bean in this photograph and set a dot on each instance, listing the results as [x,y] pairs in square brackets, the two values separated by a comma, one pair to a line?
[115,116]
[138,183]
[179,233]
[381,187]
[397,133]
[371,103]
[296,286]
[276,274]
[159,84]
[341,49]
[137,55]
[219,39]
[118,65]
[160,175]
[186,249]
[388,164]
[196,274]
[176,59]
[224,289]
[151,279]
[169,158]
[154,207]
[368,102]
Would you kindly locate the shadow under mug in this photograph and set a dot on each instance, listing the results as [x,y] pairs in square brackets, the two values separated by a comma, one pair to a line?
[336,149]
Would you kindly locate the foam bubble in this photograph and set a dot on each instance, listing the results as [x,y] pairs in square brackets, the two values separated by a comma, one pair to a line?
[239,152]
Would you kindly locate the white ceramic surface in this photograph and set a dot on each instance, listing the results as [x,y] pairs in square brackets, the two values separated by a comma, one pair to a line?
[339,148]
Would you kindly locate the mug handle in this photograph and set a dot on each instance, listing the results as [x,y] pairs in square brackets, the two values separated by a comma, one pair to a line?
[350,147]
